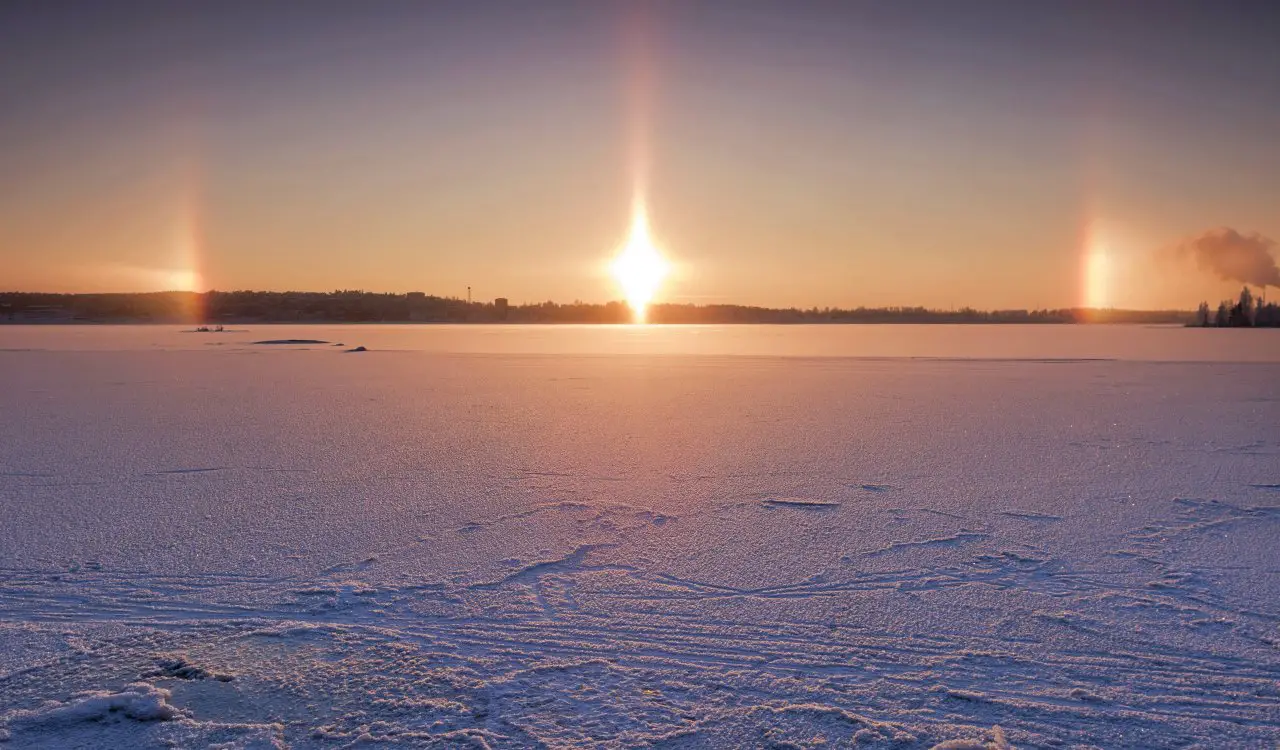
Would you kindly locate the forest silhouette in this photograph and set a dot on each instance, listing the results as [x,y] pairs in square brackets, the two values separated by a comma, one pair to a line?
[358,306]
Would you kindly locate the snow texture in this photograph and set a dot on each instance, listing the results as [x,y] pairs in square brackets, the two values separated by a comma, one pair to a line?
[620,545]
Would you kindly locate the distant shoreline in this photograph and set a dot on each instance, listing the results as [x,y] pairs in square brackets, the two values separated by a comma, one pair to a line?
[340,307]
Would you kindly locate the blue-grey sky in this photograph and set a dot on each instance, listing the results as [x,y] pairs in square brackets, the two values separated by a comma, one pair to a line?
[996,154]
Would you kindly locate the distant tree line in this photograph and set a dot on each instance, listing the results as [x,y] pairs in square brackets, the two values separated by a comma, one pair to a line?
[742,314]
[1247,312]
[357,306]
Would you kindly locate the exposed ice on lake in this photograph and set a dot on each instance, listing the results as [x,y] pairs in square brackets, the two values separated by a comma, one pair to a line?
[801,502]
[289,342]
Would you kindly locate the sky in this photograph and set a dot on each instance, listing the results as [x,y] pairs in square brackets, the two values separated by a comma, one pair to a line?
[807,153]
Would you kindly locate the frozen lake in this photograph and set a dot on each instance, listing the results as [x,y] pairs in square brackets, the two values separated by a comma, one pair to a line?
[1136,343]
[512,536]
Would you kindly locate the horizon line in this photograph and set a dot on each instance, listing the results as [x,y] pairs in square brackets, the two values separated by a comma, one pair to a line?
[619,302]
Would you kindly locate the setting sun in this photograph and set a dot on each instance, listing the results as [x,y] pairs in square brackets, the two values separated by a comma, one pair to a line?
[639,268]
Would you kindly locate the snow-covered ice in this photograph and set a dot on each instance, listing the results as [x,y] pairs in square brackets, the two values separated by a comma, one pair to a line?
[619,537]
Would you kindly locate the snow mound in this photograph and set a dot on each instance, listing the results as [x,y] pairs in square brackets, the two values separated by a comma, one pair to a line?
[138,701]
[138,716]
[998,742]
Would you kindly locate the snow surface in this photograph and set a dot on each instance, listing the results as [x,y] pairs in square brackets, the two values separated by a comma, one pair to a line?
[263,547]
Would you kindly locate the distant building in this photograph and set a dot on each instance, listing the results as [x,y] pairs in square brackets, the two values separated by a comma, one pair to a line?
[500,307]
[417,306]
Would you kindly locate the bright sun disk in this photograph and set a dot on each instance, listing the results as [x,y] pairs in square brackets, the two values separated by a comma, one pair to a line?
[639,268]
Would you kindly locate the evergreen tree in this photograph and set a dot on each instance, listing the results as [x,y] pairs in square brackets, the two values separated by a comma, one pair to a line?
[1241,315]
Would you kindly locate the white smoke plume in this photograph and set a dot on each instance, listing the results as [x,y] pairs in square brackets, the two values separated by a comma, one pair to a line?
[1234,256]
